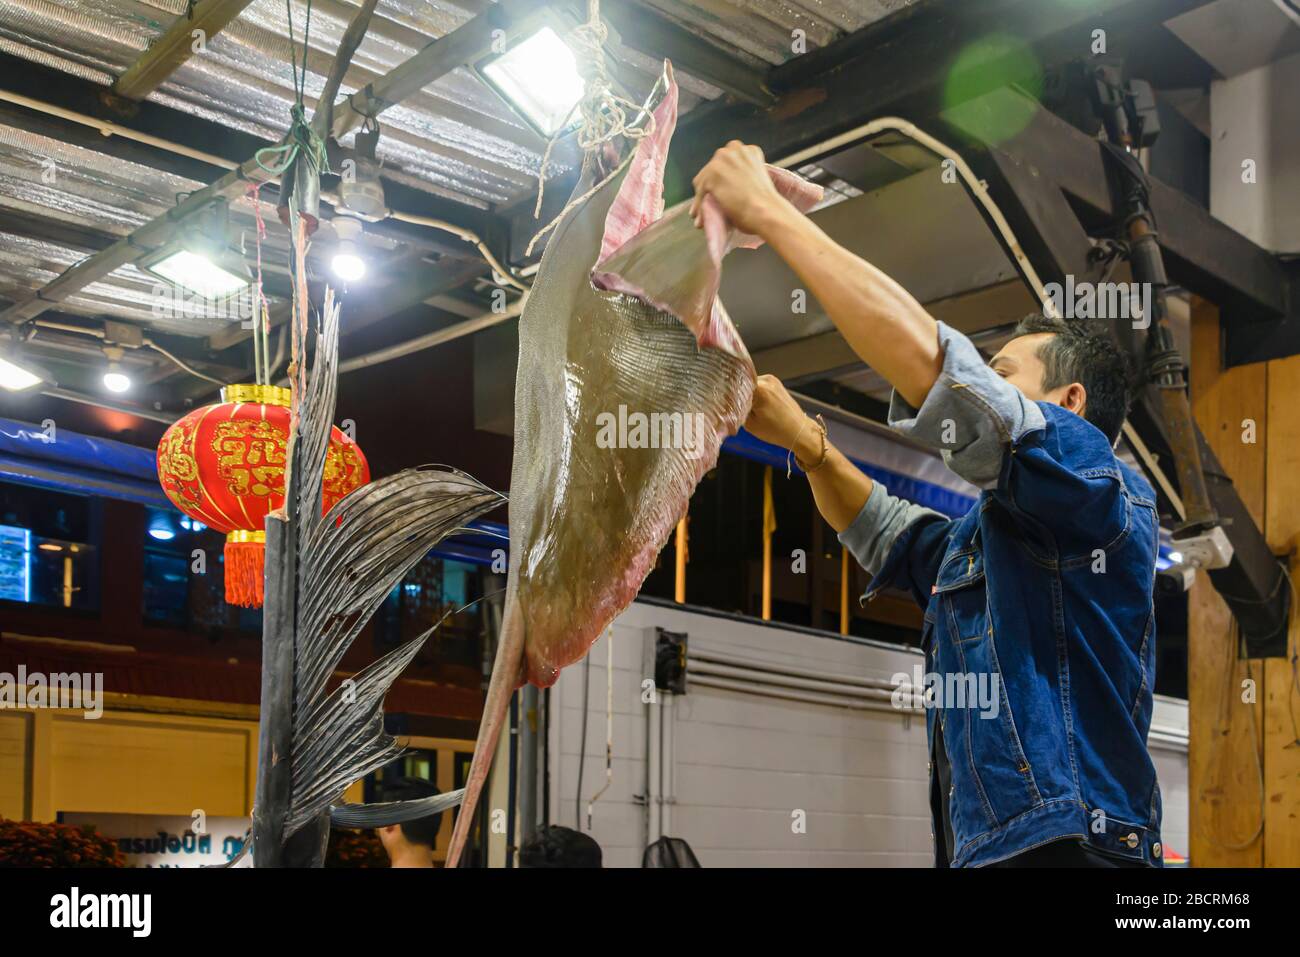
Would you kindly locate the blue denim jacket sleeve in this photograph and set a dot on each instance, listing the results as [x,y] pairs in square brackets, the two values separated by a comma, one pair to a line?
[971,415]
[1041,460]
[899,543]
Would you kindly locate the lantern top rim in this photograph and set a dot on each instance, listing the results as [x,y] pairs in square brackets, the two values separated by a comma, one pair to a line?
[256,392]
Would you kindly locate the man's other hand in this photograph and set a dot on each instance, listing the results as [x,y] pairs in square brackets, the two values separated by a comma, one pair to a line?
[776,418]
[737,179]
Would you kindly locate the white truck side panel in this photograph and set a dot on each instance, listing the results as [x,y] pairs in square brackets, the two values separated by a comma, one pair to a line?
[752,780]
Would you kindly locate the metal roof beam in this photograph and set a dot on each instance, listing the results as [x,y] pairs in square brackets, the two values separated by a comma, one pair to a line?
[902,66]
[463,46]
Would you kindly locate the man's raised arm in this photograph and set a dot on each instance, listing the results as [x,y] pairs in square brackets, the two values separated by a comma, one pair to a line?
[868,519]
[975,420]
[879,319]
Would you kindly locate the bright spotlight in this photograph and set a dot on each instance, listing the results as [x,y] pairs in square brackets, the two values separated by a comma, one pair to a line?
[539,78]
[347,265]
[115,380]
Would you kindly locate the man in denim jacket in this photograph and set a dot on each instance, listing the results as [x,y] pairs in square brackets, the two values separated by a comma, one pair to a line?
[1040,596]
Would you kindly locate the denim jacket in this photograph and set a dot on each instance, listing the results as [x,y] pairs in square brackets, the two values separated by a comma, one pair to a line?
[1039,628]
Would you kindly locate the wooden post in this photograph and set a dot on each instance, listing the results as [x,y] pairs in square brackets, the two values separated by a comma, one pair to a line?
[679,593]
[275,732]
[1281,805]
[769,526]
[1242,781]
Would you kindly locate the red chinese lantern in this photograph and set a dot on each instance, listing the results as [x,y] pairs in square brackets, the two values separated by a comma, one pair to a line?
[224,466]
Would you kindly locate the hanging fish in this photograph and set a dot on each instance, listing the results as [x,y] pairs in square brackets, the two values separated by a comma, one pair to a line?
[630,376]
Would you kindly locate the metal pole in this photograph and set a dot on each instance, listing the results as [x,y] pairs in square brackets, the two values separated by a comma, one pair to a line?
[844,590]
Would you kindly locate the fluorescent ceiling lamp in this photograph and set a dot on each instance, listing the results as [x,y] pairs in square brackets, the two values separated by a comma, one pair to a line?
[197,273]
[18,376]
[539,78]
[15,378]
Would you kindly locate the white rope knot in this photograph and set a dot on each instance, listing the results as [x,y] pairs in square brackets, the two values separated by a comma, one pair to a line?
[605,115]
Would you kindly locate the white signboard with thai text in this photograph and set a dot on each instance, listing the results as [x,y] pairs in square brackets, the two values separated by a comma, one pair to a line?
[149,840]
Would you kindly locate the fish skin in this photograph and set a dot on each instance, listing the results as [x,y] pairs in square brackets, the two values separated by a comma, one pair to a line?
[677,267]
[587,522]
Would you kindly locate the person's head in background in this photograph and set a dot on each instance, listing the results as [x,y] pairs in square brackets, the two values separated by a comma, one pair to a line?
[1075,365]
[410,844]
[557,846]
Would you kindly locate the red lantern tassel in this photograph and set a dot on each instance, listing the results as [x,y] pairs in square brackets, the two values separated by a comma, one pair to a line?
[245,568]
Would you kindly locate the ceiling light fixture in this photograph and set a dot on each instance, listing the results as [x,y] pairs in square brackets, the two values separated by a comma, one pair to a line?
[538,77]
[212,277]
[360,189]
[347,263]
[200,261]
[115,380]
[19,375]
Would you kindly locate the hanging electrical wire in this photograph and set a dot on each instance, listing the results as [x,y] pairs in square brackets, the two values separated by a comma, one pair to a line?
[182,365]
[261,308]
[582,741]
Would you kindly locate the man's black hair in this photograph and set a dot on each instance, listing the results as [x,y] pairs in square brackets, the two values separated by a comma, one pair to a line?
[423,830]
[557,846]
[1082,352]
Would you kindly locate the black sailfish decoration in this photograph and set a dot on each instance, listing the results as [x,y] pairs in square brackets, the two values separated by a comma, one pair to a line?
[325,577]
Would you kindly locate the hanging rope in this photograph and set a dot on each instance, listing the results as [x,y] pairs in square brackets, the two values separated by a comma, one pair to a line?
[302,139]
[605,115]
[262,320]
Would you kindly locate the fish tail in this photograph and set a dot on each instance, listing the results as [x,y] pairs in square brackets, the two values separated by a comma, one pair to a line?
[506,671]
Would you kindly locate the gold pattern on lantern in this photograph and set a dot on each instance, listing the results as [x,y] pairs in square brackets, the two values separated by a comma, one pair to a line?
[341,462]
[175,457]
[250,457]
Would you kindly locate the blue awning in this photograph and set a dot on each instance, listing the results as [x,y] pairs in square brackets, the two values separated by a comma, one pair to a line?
[81,464]
[915,490]
[476,544]
[65,461]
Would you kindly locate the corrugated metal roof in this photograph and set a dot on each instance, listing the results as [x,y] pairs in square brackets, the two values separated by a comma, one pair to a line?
[73,186]
[765,30]
[455,139]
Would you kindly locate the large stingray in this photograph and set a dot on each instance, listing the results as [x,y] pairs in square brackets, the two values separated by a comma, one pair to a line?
[626,387]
